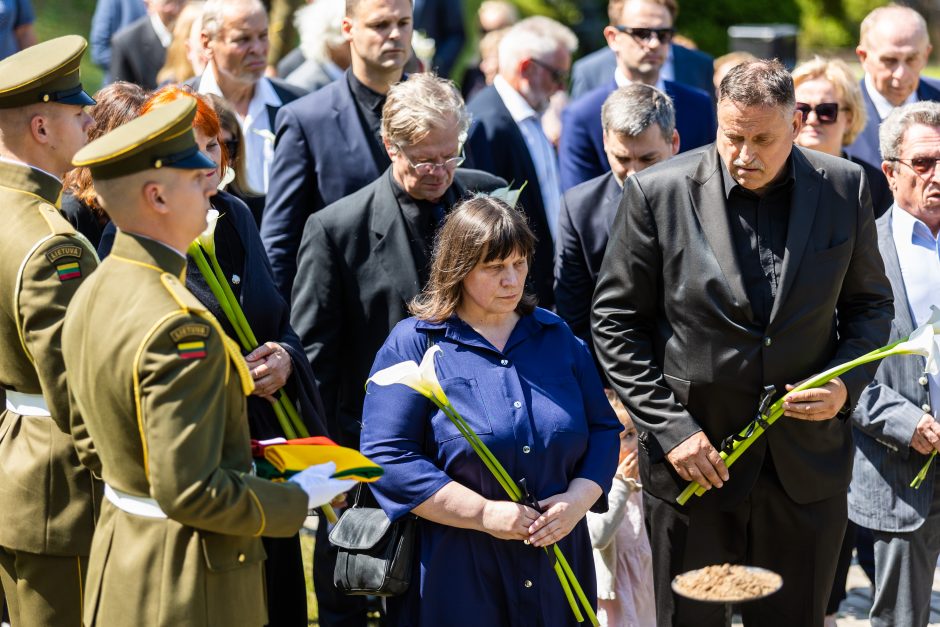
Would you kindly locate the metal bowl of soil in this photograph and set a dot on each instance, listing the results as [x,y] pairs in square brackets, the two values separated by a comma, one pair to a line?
[727,583]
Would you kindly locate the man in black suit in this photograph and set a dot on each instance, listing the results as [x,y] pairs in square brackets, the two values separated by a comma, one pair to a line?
[329,142]
[138,51]
[235,40]
[894,49]
[507,138]
[639,131]
[747,264]
[363,258]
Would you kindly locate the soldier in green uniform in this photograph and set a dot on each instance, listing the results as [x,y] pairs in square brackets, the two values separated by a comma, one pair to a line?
[47,508]
[160,391]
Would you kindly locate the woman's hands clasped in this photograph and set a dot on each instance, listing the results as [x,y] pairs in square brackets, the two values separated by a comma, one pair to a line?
[270,366]
[507,520]
[560,513]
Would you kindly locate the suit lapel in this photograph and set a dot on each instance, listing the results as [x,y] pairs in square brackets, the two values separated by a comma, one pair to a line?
[889,253]
[346,117]
[612,195]
[272,117]
[709,202]
[806,189]
[390,240]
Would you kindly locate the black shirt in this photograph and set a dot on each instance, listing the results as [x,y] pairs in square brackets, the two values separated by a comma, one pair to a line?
[369,105]
[422,219]
[759,235]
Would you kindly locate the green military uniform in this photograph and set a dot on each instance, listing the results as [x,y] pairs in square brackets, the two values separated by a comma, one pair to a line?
[161,391]
[47,504]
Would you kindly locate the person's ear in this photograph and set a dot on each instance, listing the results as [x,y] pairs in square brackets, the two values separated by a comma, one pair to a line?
[797,123]
[888,168]
[675,142]
[155,195]
[346,29]
[861,53]
[39,128]
[389,147]
[205,41]
[610,34]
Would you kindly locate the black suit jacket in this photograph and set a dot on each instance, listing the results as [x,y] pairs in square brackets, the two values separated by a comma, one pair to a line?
[587,211]
[137,54]
[679,342]
[498,147]
[355,275]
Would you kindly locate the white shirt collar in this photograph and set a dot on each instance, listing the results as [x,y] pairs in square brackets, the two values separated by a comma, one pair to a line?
[26,165]
[882,106]
[263,93]
[623,81]
[904,227]
[164,35]
[519,109]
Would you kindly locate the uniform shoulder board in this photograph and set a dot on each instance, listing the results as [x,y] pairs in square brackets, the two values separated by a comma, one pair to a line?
[190,339]
[56,221]
[183,297]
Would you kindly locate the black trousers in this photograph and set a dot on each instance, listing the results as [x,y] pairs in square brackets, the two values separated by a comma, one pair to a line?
[335,608]
[284,581]
[768,529]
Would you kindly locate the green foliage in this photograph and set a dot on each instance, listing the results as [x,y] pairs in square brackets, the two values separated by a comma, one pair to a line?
[706,22]
[55,18]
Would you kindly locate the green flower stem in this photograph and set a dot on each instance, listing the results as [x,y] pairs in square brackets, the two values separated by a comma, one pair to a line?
[919,479]
[283,420]
[562,569]
[776,410]
[238,320]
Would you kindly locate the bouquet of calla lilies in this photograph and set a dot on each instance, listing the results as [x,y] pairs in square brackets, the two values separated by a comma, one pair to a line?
[923,341]
[423,380]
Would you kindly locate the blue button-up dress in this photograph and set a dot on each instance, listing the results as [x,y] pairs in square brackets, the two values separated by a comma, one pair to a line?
[540,407]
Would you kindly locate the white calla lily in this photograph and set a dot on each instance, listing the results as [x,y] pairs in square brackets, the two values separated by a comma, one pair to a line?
[206,239]
[420,378]
[924,342]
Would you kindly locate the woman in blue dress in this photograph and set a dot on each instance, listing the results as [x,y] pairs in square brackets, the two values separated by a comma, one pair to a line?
[528,387]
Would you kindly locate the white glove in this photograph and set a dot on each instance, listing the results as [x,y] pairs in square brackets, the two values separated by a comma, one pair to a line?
[318,485]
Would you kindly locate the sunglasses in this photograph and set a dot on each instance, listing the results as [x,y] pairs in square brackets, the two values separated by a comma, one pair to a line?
[559,76]
[826,112]
[920,165]
[663,35]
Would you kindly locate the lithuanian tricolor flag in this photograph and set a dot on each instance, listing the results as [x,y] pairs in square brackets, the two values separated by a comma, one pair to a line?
[191,350]
[68,271]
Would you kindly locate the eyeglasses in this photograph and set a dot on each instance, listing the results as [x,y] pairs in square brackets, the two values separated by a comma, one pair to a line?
[559,76]
[425,168]
[920,165]
[826,112]
[663,35]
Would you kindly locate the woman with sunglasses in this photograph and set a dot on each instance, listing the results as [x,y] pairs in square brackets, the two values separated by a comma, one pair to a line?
[833,115]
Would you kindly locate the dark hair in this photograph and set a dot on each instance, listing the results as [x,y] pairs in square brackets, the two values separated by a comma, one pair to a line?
[478,230]
[758,83]
[116,104]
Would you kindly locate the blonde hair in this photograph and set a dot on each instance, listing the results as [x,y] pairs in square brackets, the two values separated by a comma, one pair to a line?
[840,76]
[419,105]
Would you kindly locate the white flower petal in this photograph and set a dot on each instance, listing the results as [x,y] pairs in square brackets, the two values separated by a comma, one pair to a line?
[429,374]
[207,237]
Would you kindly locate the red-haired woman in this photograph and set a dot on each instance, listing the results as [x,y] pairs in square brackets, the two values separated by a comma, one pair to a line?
[277,363]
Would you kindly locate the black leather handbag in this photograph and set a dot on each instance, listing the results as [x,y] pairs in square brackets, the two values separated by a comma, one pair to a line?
[375,555]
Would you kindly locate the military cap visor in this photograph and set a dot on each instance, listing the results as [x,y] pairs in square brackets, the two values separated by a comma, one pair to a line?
[161,138]
[46,72]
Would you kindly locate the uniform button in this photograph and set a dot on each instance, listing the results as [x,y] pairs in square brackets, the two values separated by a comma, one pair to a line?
[517,404]
[526,449]
[503,362]
[922,381]
[925,407]
[768,341]
[241,558]
[527,583]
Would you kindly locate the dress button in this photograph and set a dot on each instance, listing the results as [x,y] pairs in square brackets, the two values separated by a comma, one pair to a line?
[517,404]
[241,558]
[503,362]
[922,381]
[526,449]
[527,583]
[925,407]
[768,341]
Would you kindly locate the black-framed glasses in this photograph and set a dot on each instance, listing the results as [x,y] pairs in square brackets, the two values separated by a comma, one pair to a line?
[663,35]
[559,76]
[921,165]
[826,112]
[426,167]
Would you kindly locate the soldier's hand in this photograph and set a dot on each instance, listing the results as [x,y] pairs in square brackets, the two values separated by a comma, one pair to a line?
[817,403]
[926,437]
[319,485]
[695,459]
[270,367]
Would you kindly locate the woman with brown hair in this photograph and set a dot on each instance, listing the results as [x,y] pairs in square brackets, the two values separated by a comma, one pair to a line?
[116,104]
[529,389]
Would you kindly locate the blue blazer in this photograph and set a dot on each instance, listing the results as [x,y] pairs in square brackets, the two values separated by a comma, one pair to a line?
[498,147]
[691,67]
[111,16]
[321,154]
[581,154]
[865,147]
[444,24]
[888,410]
[587,211]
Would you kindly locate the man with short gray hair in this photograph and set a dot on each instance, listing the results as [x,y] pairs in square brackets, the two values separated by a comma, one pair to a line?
[746,266]
[896,420]
[639,131]
[534,59]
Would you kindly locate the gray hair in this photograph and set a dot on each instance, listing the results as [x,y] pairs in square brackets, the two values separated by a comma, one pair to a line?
[885,13]
[534,38]
[419,105]
[213,15]
[760,83]
[320,26]
[632,109]
[891,133]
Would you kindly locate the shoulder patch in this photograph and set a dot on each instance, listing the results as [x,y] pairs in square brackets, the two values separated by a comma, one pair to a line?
[190,329]
[190,339]
[191,349]
[64,251]
[65,259]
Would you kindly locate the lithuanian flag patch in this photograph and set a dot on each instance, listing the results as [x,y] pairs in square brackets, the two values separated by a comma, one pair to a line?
[68,270]
[195,349]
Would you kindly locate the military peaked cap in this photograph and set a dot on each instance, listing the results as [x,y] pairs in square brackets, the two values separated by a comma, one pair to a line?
[46,72]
